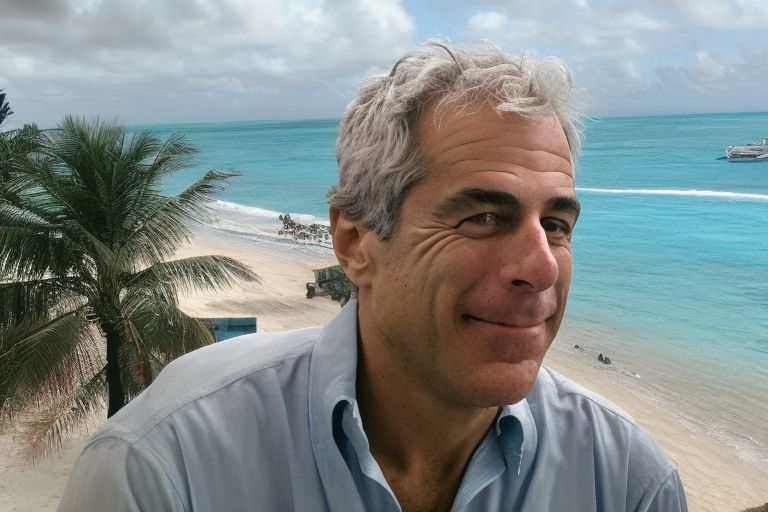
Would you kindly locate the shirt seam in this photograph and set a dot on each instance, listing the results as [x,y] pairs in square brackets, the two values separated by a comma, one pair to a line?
[661,484]
[149,457]
[555,376]
[621,415]
[180,403]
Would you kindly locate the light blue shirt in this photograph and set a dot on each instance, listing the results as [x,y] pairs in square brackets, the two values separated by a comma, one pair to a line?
[270,422]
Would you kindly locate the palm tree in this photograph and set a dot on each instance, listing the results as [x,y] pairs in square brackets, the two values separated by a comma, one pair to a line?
[90,295]
[5,108]
[15,148]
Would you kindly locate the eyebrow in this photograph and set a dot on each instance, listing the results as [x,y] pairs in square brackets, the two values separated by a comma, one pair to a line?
[565,204]
[469,198]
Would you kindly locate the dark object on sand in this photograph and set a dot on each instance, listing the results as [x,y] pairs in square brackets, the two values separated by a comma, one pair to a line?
[761,508]
[603,359]
[331,281]
[578,347]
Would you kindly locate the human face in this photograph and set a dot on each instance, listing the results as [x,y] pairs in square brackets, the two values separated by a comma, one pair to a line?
[466,297]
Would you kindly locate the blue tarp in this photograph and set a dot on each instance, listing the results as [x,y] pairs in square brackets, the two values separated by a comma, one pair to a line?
[225,328]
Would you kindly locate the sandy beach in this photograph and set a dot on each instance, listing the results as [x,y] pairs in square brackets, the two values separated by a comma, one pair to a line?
[715,479]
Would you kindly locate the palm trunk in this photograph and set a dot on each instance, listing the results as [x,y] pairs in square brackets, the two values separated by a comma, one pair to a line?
[114,379]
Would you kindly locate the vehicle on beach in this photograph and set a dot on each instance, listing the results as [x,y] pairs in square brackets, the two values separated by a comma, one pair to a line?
[331,281]
[748,152]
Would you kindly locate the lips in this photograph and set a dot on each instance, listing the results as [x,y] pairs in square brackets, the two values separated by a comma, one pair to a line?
[518,323]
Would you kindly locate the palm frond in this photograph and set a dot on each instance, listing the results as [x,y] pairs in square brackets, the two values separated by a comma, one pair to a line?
[194,199]
[140,363]
[60,196]
[43,431]
[154,159]
[33,252]
[168,334]
[161,224]
[46,358]
[16,147]
[154,336]
[37,297]
[197,273]
[154,233]
[12,215]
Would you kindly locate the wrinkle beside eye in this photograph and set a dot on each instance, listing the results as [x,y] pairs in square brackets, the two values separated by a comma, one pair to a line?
[434,239]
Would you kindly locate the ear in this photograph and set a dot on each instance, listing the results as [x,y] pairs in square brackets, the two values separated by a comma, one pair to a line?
[349,245]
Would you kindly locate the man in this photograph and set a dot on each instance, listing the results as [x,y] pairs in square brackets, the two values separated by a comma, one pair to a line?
[453,217]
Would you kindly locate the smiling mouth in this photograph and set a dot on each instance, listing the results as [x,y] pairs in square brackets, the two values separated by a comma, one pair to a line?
[515,325]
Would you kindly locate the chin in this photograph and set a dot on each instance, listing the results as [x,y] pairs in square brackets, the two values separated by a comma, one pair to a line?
[506,385]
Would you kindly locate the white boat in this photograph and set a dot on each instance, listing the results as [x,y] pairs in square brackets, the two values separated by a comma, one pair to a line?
[748,152]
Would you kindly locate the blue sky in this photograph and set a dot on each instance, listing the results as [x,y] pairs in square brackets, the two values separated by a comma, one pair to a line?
[155,61]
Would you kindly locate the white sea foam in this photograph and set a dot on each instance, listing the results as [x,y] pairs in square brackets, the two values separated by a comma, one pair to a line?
[254,211]
[224,206]
[674,192]
[258,223]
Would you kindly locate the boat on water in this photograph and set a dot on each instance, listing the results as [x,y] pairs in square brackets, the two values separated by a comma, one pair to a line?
[748,152]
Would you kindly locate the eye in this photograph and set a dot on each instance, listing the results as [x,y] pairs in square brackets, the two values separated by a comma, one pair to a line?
[483,219]
[480,225]
[557,229]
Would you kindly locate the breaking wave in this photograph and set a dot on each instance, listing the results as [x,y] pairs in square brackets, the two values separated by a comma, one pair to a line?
[241,210]
[673,192]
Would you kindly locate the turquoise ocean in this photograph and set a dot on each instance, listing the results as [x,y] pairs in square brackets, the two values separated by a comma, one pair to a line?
[670,253]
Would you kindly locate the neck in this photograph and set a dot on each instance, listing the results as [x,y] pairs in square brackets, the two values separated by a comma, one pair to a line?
[409,433]
[420,434]
[410,427]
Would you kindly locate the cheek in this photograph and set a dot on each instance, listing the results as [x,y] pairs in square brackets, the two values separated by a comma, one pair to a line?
[564,268]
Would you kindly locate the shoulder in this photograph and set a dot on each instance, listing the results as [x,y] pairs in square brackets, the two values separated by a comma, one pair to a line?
[220,363]
[224,370]
[553,390]
[223,411]
[592,428]
[583,407]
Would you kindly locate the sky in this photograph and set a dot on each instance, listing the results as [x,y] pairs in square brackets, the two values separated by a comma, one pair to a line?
[173,61]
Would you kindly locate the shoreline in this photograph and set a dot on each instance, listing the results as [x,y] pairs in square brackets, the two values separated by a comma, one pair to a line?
[715,479]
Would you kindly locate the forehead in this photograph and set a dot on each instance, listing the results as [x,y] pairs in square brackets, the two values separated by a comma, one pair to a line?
[482,140]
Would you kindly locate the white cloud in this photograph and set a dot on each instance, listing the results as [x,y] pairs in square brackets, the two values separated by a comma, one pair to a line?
[619,19]
[629,71]
[706,67]
[186,60]
[238,47]
[499,28]
[724,14]
[643,56]
[606,32]
[536,8]
[704,82]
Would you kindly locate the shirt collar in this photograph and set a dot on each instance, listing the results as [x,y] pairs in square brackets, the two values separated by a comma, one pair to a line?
[332,378]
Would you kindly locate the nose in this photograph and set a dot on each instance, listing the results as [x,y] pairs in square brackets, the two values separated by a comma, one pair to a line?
[528,261]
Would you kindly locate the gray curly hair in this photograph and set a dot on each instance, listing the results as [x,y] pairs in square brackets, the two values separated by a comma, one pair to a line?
[377,154]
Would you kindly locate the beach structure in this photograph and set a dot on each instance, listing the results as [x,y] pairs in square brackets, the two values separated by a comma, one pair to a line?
[314,233]
[331,281]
